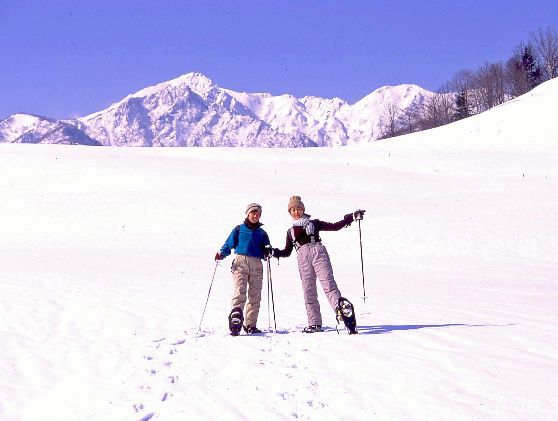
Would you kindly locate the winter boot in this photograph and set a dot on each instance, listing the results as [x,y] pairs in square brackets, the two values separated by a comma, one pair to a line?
[235,321]
[346,313]
[312,329]
[252,330]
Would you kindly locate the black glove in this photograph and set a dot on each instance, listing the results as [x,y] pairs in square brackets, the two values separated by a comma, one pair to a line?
[218,256]
[348,219]
[359,214]
[268,251]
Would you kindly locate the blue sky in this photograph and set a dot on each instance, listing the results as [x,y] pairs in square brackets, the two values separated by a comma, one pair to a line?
[63,59]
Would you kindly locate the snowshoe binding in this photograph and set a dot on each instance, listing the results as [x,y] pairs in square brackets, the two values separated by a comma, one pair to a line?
[346,314]
[236,319]
[312,329]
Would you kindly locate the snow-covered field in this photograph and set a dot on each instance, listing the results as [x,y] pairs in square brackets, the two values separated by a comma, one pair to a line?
[106,258]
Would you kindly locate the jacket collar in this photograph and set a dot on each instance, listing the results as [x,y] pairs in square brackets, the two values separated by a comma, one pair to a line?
[251,225]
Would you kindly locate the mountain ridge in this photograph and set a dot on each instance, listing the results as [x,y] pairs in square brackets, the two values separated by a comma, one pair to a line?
[191,110]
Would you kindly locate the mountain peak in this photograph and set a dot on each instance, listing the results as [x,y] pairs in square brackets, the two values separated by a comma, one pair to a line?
[194,78]
[196,82]
[403,94]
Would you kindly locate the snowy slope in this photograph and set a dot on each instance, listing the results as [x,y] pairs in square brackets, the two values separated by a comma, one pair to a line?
[106,262]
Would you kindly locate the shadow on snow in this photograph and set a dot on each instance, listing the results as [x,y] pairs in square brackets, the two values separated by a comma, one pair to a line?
[374,330]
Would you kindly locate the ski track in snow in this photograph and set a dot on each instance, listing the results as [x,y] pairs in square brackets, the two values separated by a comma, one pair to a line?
[266,356]
[287,380]
[412,350]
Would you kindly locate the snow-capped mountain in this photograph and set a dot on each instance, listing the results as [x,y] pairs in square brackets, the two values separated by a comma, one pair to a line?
[191,110]
[27,128]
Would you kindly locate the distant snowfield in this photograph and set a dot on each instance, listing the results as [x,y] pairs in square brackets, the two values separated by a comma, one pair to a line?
[106,258]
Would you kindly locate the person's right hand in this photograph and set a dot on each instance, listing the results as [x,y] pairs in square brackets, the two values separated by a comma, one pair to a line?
[218,256]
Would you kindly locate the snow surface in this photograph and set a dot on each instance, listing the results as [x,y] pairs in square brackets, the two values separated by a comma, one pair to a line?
[107,259]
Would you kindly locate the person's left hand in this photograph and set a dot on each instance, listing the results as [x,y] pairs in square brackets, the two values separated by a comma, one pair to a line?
[359,214]
[268,251]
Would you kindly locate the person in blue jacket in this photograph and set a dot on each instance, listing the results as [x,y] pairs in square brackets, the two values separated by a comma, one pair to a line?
[251,244]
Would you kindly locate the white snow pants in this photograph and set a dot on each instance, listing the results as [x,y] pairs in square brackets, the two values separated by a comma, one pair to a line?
[313,262]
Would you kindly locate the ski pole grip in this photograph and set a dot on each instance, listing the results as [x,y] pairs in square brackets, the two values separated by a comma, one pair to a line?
[359,213]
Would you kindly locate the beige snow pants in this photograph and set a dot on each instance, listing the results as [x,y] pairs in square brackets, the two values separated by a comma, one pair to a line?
[247,274]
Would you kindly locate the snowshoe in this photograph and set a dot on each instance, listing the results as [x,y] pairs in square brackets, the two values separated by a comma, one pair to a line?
[235,321]
[251,329]
[312,329]
[346,314]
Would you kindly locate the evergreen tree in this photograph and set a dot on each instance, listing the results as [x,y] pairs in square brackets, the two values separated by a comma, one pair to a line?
[461,106]
[532,69]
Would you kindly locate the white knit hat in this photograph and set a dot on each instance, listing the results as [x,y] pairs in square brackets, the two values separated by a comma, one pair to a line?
[253,206]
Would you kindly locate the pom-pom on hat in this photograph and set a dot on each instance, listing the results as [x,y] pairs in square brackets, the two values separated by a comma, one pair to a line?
[253,206]
[295,201]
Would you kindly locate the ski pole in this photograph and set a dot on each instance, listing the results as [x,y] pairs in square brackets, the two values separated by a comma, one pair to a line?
[358,217]
[270,285]
[268,306]
[209,292]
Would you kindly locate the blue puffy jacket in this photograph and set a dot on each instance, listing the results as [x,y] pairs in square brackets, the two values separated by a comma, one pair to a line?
[246,241]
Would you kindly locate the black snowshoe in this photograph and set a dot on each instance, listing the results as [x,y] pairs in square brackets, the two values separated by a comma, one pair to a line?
[236,319]
[346,314]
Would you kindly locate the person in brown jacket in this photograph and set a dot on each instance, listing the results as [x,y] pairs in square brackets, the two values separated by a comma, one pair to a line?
[314,263]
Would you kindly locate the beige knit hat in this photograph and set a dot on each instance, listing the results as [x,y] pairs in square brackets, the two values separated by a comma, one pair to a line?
[253,206]
[295,201]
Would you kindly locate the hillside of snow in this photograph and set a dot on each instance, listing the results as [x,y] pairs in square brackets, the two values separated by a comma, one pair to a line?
[107,261]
